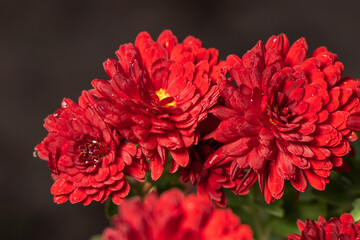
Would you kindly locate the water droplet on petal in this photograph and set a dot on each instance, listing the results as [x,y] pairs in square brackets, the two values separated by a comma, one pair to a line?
[251,100]
[63,104]
[56,115]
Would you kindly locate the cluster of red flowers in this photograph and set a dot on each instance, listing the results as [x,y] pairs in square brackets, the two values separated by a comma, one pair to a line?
[158,93]
[336,228]
[173,216]
[272,115]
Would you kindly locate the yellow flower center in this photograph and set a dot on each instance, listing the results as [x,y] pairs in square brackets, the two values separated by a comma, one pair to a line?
[272,121]
[162,94]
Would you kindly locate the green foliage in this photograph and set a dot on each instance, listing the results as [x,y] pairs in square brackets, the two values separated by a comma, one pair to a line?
[96,237]
[356,211]
[167,180]
[111,208]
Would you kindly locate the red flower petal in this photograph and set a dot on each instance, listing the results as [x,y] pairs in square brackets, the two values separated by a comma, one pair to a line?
[77,195]
[276,49]
[167,39]
[299,181]
[353,122]
[156,168]
[284,166]
[102,174]
[315,181]
[275,182]
[297,53]
[62,187]
[61,198]
[181,156]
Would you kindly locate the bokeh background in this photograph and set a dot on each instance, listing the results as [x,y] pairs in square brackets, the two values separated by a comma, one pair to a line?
[53,49]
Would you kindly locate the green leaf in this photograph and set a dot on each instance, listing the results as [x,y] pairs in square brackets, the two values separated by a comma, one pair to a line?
[311,210]
[111,208]
[282,227]
[96,237]
[274,210]
[356,211]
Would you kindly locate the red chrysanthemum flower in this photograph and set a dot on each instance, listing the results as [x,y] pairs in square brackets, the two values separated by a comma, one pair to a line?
[158,93]
[284,116]
[211,181]
[336,228]
[353,122]
[173,216]
[88,158]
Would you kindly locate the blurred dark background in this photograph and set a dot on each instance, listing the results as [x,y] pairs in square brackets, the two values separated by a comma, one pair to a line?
[53,49]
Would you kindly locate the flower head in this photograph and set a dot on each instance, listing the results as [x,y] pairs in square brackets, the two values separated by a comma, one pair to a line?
[157,94]
[336,228]
[211,181]
[87,157]
[173,216]
[284,116]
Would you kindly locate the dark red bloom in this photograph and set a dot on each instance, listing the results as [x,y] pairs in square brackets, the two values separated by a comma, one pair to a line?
[157,94]
[173,216]
[87,157]
[211,181]
[336,228]
[284,116]
[353,122]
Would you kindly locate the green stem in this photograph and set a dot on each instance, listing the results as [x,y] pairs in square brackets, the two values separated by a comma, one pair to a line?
[262,233]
